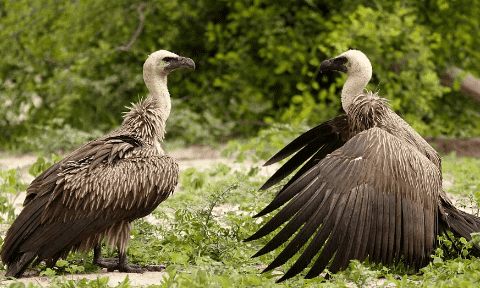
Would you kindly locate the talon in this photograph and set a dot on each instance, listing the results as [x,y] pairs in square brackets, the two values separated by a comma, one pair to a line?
[131,269]
[121,263]
[155,267]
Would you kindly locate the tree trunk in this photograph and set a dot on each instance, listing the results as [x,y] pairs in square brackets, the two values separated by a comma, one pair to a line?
[470,84]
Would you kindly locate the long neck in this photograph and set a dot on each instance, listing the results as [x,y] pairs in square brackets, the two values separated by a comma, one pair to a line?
[157,86]
[353,87]
[147,118]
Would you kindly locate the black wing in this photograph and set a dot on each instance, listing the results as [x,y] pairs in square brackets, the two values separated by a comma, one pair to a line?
[314,144]
[375,196]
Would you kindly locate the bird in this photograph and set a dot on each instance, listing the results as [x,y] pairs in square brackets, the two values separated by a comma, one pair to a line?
[370,186]
[101,187]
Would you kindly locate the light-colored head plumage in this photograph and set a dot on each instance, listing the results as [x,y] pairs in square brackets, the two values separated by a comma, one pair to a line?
[155,64]
[359,70]
[148,117]
[358,64]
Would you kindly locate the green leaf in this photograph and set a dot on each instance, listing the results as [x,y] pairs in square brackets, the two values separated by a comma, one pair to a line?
[62,263]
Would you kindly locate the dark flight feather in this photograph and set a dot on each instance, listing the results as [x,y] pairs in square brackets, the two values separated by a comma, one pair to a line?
[370,186]
[367,198]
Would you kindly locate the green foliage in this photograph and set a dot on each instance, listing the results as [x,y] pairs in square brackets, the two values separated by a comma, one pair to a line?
[453,273]
[71,66]
[73,70]
[64,265]
[193,127]
[451,248]
[41,165]
[55,139]
[63,282]
[465,173]
[194,234]
[360,274]
[10,186]
[394,36]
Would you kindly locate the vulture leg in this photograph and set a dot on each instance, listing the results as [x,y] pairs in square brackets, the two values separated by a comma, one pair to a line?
[98,260]
[125,267]
[120,263]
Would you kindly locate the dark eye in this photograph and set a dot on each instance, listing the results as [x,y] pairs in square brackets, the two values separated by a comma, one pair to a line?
[168,59]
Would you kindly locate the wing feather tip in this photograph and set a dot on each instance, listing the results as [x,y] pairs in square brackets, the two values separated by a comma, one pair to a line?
[260,214]
[287,276]
[251,238]
[269,162]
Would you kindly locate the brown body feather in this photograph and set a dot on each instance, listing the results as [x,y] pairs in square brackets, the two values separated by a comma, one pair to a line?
[371,187]
[93,193]
[96,191]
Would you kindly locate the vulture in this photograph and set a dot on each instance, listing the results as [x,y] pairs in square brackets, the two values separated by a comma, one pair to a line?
[101,187]
[370,187]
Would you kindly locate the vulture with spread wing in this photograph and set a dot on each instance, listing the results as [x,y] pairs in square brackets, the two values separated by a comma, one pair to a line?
[371,187]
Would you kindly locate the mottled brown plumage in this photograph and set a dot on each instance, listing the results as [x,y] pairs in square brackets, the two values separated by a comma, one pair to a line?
[371,187]
[101,187]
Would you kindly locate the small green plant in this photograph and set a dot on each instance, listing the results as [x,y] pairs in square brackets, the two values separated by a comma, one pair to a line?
[41,165]
[63,265]
[10,186]
[361,274]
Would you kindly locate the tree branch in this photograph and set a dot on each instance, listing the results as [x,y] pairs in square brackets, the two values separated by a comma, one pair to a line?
[139,29]
[470,84]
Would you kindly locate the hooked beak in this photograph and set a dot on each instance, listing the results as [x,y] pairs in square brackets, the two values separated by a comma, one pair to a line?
[180,62]
[336,64]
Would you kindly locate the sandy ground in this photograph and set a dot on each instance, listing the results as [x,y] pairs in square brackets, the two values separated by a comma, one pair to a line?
[198,157]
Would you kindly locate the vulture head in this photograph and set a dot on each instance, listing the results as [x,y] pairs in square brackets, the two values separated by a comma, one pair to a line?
[156,68]
[163,62]
[359,70]
[158,105]
[351,62]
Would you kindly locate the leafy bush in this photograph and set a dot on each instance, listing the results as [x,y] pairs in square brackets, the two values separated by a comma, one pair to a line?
[75,65]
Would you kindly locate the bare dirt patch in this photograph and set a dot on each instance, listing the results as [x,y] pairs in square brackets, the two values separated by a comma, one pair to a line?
[464,147]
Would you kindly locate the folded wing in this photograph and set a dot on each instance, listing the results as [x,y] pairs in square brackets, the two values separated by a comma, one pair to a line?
[94,192]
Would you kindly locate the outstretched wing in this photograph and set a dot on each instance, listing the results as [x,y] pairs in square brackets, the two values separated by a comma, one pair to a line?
[375,196]
[314,144]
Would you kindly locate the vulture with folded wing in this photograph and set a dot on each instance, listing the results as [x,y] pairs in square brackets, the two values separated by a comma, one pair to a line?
[101,187]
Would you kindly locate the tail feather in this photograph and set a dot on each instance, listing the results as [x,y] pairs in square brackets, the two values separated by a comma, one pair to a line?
[29,238]
[17,268]
[461,224]
[21,229]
